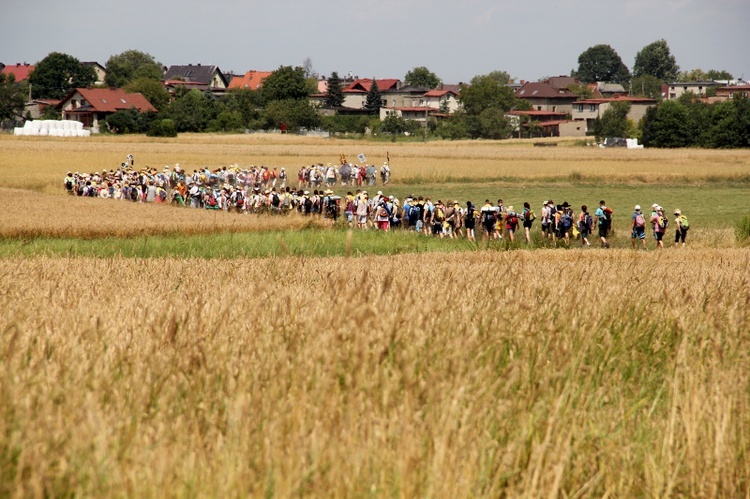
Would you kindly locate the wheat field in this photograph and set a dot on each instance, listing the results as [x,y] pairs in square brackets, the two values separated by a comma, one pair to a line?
[557,373]
[573,374]
[39,164]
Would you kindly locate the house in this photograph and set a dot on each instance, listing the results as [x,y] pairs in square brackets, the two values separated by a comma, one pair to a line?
[252,80]
[419,114]
[34,109]
[535,123]
[355,94]
[405,96]
[438,99]
[589,110]
[544,96]
[21,72]
[730,91]
[698,88]
[100,71]
[92,105]
[209,76]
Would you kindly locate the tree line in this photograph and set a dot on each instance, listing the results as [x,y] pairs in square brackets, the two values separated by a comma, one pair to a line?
[485,100]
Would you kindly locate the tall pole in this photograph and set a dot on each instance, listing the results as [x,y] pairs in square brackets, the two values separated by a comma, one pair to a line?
[425,119]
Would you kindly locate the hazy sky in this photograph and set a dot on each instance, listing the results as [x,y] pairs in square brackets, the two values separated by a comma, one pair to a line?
[456,40]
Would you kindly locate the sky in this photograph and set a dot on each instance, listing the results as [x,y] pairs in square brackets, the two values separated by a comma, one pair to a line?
[456,40]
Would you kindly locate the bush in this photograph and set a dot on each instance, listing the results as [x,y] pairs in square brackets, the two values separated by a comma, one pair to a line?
[742,230]
[162,128]
[345,124]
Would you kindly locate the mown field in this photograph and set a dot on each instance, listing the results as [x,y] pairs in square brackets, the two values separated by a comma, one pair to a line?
[154,351]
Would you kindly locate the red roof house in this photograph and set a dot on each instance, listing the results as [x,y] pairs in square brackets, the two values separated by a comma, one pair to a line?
[252,80]
[92,105]
[19,71]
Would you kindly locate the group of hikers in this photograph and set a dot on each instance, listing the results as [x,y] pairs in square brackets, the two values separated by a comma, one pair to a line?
[266,190]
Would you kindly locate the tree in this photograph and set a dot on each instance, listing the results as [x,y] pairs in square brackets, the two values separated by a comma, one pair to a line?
[374,98]
[131,65]
[127,121]
[334,94]
[601,63]
[614,121]
[487,91]
[698,75]
[646,86]
[666,125]
[57,74]
[657,61]
[307,67]
[12,98]
[715,75]
[193,111]
[245,101]
[295,113]
[152,90]
[422,77]
[286,83]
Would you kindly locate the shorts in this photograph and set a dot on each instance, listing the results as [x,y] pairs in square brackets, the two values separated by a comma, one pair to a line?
[638,233]
[349,215]
[469,224]
[489,227]
[603,230]
[527,224]
[437,228]
[658,236]
[679,235]
[361,219]
[383,225]
[418,225]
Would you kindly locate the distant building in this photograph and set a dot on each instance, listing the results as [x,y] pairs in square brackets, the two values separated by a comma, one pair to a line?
[101,72]
[210,77]
[252,80]
[698,88]
[545,96]
[90,106]
[21,72]
[589,110]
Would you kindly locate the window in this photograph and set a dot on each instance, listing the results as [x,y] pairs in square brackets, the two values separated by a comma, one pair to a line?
[579,108]
[592,108]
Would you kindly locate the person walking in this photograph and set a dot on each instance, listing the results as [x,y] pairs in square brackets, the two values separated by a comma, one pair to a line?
[638,227]
[585,225]
[604,222]
[470,218]
[681,227]
[660,223]
[528,217]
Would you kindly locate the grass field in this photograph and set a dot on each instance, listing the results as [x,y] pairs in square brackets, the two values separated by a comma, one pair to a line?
[154,351]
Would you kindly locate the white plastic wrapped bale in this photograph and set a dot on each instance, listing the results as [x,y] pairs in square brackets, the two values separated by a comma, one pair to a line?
[27,125]
[79,125]
[65,124]
[34,131]
[86,133]
[54,132]
[18,130]
[44,132]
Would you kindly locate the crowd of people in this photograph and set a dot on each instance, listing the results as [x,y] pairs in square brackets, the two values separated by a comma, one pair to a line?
[261,189]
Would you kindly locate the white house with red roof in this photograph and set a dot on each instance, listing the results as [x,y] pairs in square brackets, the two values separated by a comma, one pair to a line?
[439,99]
[90,106]
[355,94]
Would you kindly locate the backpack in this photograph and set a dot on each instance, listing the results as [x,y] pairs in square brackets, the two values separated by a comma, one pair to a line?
[663,222]
[439,215]
[640,220]
[588,222]
[529,215]
[487,216]
[275,201]
[566,220]
[287,201]
[684,222]
[383,212]
[69,183]
[469,215]
[415,213]
[513,220]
